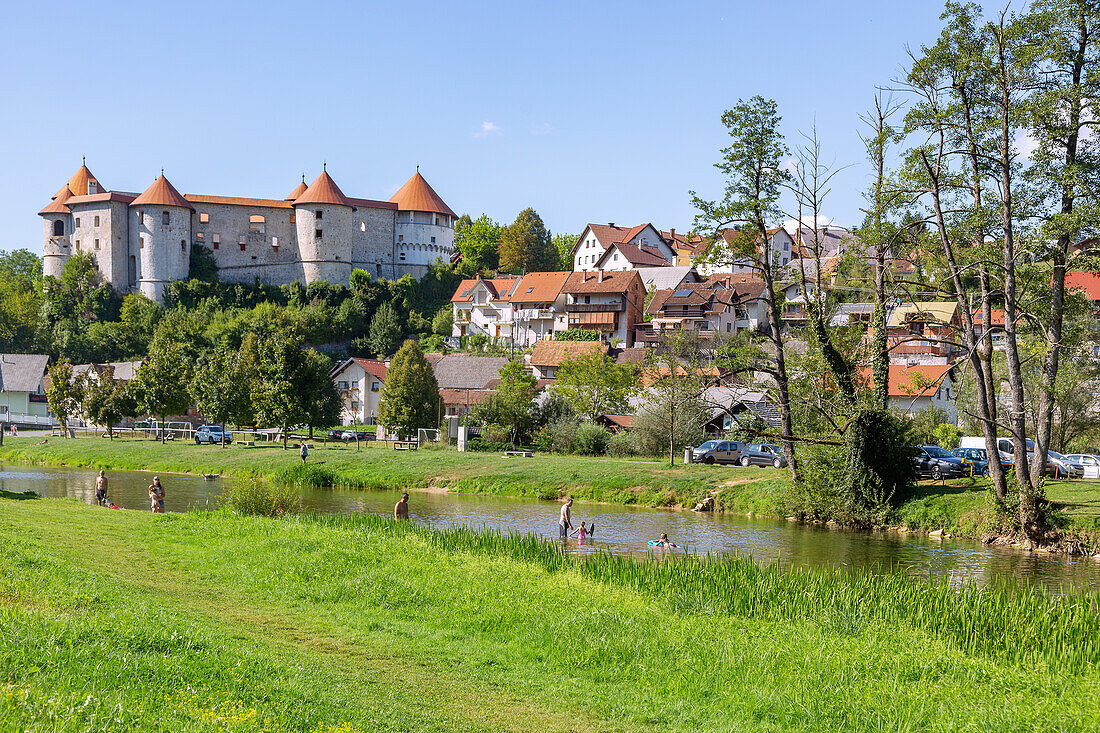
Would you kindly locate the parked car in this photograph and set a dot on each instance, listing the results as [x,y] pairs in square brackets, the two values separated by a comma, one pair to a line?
[974,460]
[1090,464]
[936,463]
[762,454]
[356,435]
[212,434]
[718,451]
[1066,468]
[335,435]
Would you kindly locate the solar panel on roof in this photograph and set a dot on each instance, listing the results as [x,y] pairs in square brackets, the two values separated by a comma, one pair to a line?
[681,294]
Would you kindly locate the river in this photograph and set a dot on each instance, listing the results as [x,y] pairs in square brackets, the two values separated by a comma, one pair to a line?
[618,528]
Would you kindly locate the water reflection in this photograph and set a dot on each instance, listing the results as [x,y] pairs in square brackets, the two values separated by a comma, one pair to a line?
[619,529]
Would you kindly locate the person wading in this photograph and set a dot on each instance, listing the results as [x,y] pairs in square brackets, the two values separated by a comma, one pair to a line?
[401,508]
[565,519]
[157,491]
[101,489]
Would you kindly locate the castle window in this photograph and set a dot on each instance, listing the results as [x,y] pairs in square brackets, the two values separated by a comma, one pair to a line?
[97,221]
[141,242]
[183,245]
[319,215]
[400,237]
[78,222]
[362,226]
[433,240]
[93,187]
[217,239]
[78,245]
[204,218]
[402,256]
[164,218]
[318,234]
[59,228]
[241,241]
[97,244]
[292,217]
[256,223]
[199,236]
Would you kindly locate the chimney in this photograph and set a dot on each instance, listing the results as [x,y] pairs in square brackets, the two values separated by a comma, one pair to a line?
[599,275]
[611,223]
[672,233]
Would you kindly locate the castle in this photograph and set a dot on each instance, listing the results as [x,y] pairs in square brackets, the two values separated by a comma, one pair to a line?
[142,242]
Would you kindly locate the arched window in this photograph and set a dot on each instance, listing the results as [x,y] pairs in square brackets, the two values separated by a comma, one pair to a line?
[256,223]
[59,228]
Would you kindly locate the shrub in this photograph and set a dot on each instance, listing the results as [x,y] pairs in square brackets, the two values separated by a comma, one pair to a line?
[250,496]
[947,436]
[577,334]
[818,493]
[591,440]
[622,445]
[489,446]
[563,431]
[309,475]
[544,439]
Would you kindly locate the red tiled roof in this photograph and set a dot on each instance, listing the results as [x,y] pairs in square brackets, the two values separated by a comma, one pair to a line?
[645,255]
[612,282]
[996,316]
[162,193]
[238,201]
[608,235]
[463,397]
[95,198]
[298,190]
[918,380]
[553,353]
[323,191]
[57,206]
[501,288]
[78,185]
[372,366]
[1087,282]
[540,287]
[372,204]
[417,195]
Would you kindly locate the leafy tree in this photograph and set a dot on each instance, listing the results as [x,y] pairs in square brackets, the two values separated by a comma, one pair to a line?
[324,404]
[947,436]
[160,385]
[201,265]
[107,400]
[563,243]
[595,385]
[385,331]
[525,246]
[221,388]
[479,242]
[676,382]
[513,403]
[20,300]
[63,392]
[410,396]
[443,321]
[286,386]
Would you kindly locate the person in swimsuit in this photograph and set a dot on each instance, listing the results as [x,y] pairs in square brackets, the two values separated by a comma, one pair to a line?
[565,519]
[663,542]
[581,532]
[157,491]
[401,508]
[101,489]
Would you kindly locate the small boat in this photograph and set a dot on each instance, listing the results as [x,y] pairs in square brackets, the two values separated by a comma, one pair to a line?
[210,476]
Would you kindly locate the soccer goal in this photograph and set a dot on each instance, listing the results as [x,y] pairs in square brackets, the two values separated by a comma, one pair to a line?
[427,435]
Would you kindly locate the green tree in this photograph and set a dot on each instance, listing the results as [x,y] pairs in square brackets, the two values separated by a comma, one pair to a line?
[281,394]
[160,385]
[324,404]
[443,321]
[20,301]
[201,265]
[563,243]
[107,400]
[479,242]
[525,246]
[410,396]
[221,388]
[594,384]
[63,392]
[512,404]
[385,331]
[676,382]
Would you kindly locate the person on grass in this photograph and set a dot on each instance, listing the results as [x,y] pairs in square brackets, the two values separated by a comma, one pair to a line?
[401,508]
[101,489]
[303,452]
[565,519]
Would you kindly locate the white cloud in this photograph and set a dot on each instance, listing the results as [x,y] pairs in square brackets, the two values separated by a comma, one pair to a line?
[543,128]
[487,129]
[1025,144]
[790,165]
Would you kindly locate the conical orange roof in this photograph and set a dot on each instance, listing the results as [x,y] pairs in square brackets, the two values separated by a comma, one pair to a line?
[323,191]
[298,190]
[162,193]
[57,206]
[78,184]
[417,195]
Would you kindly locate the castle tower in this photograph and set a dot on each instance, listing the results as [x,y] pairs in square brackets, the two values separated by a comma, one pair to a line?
[425,227]
[323,219]
[160,238]
[58,220]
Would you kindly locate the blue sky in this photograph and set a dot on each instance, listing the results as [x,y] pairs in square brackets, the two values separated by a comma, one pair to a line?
[585,111]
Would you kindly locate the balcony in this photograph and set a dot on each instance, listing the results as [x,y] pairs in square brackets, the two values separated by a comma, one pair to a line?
[595,307]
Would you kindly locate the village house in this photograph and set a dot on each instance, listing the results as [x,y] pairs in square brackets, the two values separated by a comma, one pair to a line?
[608,302]
[924,333]
[782,252]
[359,383]
[749,305]
[685,246]
[704,309]
[536,303]
[547,356]
[23,390]
[667,278]
[916,387]
[484,307]
[596,239]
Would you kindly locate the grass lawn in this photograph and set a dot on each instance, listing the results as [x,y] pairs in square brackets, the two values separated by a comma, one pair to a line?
[115,620]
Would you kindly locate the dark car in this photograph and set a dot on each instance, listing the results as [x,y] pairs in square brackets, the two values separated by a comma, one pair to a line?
[974,460]
[936,463]
[762,454]
[336,435]
[718,451]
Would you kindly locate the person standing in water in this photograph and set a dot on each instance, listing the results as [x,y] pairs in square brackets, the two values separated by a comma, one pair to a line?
[156,495]
[101,489]
[565,519]
[401,508]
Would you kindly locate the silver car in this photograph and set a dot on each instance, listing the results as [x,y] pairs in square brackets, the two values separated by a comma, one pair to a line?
[762,454]
[718,451]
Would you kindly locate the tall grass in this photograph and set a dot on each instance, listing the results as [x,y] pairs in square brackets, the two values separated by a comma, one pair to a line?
[1008,620]
[251,495]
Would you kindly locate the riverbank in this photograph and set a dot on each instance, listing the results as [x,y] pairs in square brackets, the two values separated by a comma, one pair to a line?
[209,621]
[962,507]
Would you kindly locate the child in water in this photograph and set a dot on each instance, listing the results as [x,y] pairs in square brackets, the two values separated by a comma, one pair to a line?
[663,542]
[581,532]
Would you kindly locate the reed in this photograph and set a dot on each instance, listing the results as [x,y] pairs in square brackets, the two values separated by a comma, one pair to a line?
[1009,620]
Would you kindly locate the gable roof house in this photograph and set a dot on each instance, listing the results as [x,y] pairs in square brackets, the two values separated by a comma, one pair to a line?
[536,302]
[359,383]
[702,308]
[782,246]
[597,238]
[608,302]
[665,278]
[924,333]
[483,307]
[23,390]
[547,356]
[686,246]
[916,387]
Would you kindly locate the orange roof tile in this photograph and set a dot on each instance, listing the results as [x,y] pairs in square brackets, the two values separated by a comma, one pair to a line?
[540,287]
[619,281]
[501,288]
[371,203]
[917,380]
[553,353]
[57,206]
[417,195]
[95,198]
[162,193]
[323,191]
[80,183]
[237,201]
[298,190]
